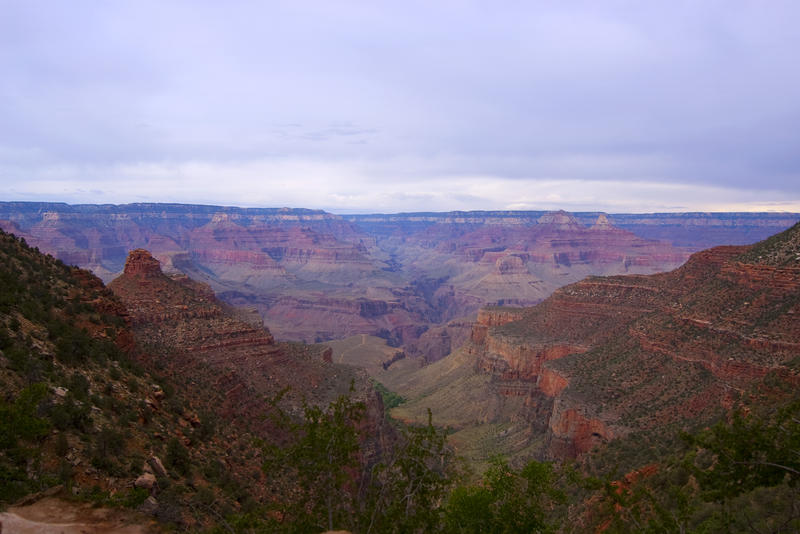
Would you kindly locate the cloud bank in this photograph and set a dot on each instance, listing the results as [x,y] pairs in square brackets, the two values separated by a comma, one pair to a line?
[356,106]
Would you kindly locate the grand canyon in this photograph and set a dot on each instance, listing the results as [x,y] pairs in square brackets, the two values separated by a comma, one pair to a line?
[399,267]
[410,278]
[538,336]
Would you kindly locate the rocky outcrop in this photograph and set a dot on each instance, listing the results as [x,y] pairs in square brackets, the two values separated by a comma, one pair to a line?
[560,219]
[511,264]
[488,317]
[141,263]
[508,359]
[551,383]
[60,309]
[439,341]
[602,223]
[632,353]
[572,433]
[197,339]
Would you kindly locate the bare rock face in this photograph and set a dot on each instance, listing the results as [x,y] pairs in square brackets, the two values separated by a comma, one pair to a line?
[602,223]
[510,265]
[560,219]
[146,481]
[141,263]
[155,463]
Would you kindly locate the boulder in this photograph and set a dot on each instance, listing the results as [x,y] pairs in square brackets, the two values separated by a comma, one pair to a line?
[146,481]
[157,466]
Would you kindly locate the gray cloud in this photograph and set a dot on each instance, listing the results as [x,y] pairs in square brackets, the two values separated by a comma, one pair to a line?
[402,94]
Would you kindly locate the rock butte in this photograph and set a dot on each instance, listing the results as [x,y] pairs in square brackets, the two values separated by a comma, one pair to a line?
[198,339]
[141,263]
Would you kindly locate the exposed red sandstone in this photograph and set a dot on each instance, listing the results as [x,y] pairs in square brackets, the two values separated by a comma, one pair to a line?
[617,354]
[278,259]
[551,383]
[141,263]
[572,433]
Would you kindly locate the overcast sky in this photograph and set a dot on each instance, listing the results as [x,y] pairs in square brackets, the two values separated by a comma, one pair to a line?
[403,106]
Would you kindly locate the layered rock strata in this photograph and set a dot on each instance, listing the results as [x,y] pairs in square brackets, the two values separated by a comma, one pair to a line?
[309,273]
[194,337]
[608,356]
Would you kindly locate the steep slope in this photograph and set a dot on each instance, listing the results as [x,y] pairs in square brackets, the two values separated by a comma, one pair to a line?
[608,356]
[199,340]
[153,400]
[81,419]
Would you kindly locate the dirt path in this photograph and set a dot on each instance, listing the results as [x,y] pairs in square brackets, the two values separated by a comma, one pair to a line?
[55,516]
[363,342]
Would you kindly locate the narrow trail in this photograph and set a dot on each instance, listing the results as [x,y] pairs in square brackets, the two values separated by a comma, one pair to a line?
[363,342]
[56,516]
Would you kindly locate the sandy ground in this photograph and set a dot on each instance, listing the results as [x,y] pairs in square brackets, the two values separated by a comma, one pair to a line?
[55,516]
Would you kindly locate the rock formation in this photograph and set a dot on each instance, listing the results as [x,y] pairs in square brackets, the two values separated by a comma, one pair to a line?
[313,275]
[601,223]
[195,338]
[104,418]
[612,355]
[141,263]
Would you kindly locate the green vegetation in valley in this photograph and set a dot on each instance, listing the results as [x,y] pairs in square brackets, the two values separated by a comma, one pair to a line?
[390,398]
[418,485]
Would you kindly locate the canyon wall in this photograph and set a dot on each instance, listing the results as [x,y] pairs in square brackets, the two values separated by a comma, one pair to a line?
[414,279]
[191,335]
[608,356]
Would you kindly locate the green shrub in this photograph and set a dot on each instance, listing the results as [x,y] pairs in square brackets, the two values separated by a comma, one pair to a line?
[177,457]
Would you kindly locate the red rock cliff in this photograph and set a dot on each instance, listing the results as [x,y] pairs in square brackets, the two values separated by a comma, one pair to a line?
[141,263]
[625,353]
[198,339]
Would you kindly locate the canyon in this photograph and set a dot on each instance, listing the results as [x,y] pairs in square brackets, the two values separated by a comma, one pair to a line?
[595,362]
[417,279]
[607,357]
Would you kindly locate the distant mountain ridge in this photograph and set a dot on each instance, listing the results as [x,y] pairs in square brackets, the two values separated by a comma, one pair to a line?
[693,230]
[410,278]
